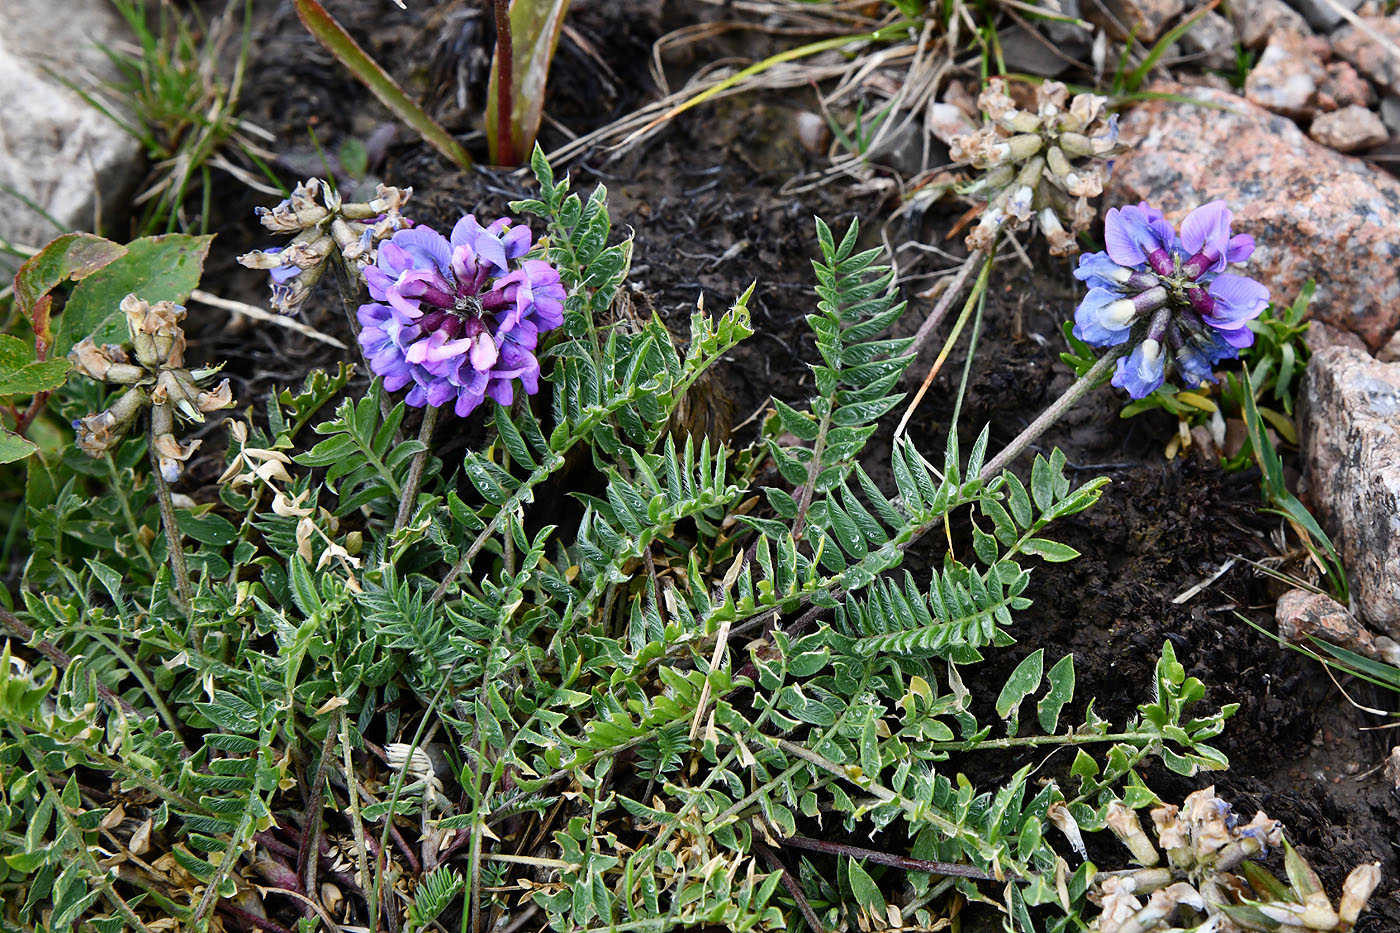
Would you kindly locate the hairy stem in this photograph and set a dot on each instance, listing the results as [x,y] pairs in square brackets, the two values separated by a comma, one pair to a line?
[1052,414]
[415,469]
[505,73]
[60,659]
[172,530]
[886,858]
[979,289]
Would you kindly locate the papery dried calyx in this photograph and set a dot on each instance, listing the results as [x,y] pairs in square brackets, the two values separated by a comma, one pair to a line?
[1054,149]
[324,225]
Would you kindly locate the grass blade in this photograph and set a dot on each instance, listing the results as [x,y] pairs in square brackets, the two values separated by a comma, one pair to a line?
[337,41]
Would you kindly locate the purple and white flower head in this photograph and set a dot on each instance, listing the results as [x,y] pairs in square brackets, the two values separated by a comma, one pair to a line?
[1168,295]
[458,318]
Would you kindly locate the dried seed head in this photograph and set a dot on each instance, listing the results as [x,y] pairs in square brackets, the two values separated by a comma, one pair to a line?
[1053,145]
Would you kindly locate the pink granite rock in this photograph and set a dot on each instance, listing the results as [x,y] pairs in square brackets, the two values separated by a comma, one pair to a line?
[1350,415]
[1301,615]
[1366,49]
[1315,214]
[1257,21]
[1350,129]
[1343,87]
[1287,76]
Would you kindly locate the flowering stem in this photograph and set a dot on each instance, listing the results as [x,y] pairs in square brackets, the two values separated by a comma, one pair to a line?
[505,72]
[172,529]
[415,469]
[1052,414]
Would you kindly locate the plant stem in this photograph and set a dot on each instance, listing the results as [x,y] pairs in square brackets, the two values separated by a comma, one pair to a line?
[60,659]
[505,73]
[886,858]
[794,889]
[945,301]
[1052,414]
[172,529]
[415,469]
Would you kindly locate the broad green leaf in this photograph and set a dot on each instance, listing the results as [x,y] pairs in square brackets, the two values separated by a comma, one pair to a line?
[866,891]
[72,256]
[1053,551]
[157,268]
[21,374]
[13,447]
[1022,683]
[1061,678]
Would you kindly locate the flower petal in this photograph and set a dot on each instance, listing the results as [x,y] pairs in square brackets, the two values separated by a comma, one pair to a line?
[1238,298]
[1133,232]
[1095,321]
[1207,225]
[427,248]
[1098,270]
[1241,247]
[1142,371]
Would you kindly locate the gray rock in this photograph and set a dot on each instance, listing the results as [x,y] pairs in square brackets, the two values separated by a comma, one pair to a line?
[1301,615]
[1257,20]
[1390,112]
[1036,53]
[1213,39]
[1350,439]
[1350,129]
[55,149]
[1286,76]
[1321,14]
[1370,49]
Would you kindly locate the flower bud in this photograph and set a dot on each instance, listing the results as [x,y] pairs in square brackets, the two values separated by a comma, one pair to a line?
[990,181]
[298,212]
[156,335]
[1057,163]
[1076,145]
[93,361]
[1060,240]
[1022,147]
[1018,121]
[994,101]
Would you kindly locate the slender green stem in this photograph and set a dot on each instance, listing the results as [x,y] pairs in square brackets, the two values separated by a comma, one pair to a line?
[377,885]
[356,826]
[971,355]
[409,498]
[172,531]
[1052,414]
[979,290]
[120,489]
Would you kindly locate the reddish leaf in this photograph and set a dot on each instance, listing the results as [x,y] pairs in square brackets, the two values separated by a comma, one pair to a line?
[72,256]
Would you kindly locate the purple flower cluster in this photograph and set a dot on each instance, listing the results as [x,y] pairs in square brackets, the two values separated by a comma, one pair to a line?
[452,319]
[1168,295]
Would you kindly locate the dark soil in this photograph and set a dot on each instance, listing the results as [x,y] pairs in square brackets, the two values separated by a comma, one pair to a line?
[703,200]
